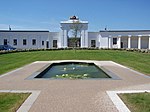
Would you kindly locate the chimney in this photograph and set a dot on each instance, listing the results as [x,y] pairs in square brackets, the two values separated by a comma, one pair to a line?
[106,28]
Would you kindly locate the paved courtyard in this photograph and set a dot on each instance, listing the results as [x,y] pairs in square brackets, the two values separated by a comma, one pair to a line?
[74,95]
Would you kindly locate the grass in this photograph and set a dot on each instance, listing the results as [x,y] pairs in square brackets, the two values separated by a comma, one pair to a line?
[10,102]
[137,102]
[134,60]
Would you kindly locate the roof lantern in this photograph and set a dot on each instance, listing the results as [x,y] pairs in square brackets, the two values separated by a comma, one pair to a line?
[74,18]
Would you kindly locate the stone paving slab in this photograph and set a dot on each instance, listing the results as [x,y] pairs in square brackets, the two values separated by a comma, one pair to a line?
[74,95]
[117,100]
[28,102]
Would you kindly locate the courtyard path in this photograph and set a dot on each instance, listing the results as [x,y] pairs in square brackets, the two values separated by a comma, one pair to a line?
[74,95]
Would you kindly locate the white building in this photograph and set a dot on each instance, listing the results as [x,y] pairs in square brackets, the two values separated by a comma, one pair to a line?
[103,39]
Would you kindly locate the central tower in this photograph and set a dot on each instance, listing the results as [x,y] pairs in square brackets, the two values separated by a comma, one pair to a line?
[74,23]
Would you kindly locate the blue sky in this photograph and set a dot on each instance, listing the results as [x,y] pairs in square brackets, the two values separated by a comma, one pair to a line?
[47,14]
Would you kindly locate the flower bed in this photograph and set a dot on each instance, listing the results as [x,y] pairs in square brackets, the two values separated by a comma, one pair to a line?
[72,76]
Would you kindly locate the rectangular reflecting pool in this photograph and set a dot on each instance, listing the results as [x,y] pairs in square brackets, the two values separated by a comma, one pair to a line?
[77,70]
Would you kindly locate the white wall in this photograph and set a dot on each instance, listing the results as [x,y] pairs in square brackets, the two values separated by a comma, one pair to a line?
[100,37]
[55,36]
[134,38]
[10,36]
[93,36]
[104,42]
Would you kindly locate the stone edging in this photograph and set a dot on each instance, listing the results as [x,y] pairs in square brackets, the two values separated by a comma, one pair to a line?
[118,102]
[15,70]
[28,102]
[146,76]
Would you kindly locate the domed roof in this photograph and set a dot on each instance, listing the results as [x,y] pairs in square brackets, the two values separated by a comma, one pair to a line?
[74,18]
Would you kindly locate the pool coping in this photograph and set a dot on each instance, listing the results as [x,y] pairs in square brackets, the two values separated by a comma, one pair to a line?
[123,66]
[25,107]
[120,105]
[112,75]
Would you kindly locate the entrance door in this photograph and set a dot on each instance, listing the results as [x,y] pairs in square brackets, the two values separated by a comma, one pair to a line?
[47,44]
[74,42]
[121,44]
[93,43]
[55,43]
[5,41]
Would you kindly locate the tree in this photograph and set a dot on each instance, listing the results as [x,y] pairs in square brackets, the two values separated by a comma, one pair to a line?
[76,31]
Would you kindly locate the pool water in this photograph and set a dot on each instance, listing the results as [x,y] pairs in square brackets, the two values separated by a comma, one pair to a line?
[74,68]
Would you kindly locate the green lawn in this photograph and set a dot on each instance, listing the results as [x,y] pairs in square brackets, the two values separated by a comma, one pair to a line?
[137,102]
[10,102]
[134,60]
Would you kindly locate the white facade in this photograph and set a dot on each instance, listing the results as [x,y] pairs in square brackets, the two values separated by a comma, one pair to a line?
[139,39]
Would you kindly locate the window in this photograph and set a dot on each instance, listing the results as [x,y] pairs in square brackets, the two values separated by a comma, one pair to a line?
[5,41]
[93,43]
[114,41]
[15,42]
[42,43]
[33,41]
[55,43]
[24,42]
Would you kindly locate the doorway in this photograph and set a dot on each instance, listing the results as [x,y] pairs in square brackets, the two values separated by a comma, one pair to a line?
[74,42]
[55,43]
[5,41]
[47,44]
[93,43]
[121,44]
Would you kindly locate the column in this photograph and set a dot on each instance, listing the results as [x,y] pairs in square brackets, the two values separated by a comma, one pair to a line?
[139,42]
[129,41]
[149,42]
[86,39]
[119,42]
[82,38]
[109,42]
[65,39]
[99,41]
